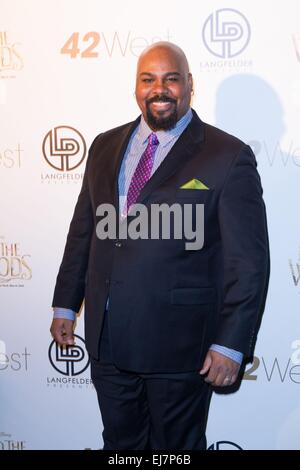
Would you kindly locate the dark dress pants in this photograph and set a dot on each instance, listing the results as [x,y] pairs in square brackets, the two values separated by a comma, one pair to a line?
[149,411]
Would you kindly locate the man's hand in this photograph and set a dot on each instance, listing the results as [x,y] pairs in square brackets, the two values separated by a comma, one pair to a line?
[62,331]
[222,371]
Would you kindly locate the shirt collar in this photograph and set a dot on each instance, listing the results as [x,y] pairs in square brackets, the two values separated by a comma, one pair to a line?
[164,137]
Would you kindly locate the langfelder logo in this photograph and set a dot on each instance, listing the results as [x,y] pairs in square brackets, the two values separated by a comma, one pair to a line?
[71,360]
[224,445]
[226,33]
[64,148]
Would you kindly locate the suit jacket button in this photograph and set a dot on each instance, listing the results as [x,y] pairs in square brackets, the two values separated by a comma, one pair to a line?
[118,244]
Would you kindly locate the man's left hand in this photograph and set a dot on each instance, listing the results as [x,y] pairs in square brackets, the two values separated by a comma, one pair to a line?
[221,370]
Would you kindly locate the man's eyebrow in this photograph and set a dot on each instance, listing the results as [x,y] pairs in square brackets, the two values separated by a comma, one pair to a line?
[166,74]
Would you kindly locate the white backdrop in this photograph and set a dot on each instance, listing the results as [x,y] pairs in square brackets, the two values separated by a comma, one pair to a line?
[67,73]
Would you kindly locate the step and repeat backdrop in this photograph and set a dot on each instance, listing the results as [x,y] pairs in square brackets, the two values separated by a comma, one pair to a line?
[67,72]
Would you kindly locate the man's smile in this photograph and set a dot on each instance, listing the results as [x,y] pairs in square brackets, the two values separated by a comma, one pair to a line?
[161,105]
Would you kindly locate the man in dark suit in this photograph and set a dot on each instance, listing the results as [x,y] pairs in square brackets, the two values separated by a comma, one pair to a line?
[164,323]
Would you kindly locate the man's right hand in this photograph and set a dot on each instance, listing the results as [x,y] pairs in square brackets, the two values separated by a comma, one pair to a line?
[62,331]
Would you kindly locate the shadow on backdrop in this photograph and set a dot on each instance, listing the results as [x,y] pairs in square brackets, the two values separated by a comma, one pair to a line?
[249,108]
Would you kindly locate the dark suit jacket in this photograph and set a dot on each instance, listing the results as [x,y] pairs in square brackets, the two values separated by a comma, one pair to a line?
[167,305]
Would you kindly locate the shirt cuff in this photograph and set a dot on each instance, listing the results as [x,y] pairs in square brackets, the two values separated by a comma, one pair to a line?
[230,353]
[66,313]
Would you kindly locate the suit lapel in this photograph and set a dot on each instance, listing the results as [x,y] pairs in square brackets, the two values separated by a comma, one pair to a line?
[183,149]
[114,160]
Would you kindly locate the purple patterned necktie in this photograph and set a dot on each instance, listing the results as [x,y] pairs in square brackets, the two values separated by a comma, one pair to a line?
[143,171]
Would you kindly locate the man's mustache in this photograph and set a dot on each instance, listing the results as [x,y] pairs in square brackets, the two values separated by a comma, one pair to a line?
[161,99]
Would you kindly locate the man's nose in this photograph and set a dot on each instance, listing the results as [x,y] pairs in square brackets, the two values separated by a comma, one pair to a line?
[160,87]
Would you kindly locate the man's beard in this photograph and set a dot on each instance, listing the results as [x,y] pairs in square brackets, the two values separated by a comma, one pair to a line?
[161,123]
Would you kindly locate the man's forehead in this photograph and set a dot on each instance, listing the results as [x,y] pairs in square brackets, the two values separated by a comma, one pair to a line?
[159,55]
[159,65]
[161,58]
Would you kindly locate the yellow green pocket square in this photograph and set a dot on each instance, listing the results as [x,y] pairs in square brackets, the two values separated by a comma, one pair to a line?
[194,184]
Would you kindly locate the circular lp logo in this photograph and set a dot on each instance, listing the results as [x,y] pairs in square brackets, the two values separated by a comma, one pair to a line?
[224,445]
[226,33]
[64,148]
[69,360]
